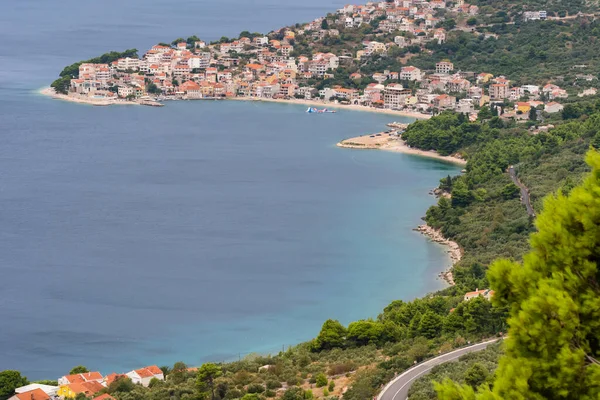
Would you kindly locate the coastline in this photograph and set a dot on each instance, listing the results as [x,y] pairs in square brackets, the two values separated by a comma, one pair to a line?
[50,92]
[388,143]
[453,249]
[352,107]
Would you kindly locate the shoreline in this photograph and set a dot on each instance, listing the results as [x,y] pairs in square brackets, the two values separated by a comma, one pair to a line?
[50,92]
[452,248]
[397,145]
[353,107]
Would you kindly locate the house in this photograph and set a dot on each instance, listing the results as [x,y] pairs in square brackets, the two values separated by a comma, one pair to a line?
[394,96]
[553,107]
[484,77]
[143,376]
[85,377]
[523,107]
[443,101]
[410,74]
[498,91]
[444,67]
[486,293]
[49,390]
[35,394]
[73,389]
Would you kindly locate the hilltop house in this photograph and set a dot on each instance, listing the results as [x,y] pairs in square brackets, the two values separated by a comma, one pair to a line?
[143,376]
[486,293]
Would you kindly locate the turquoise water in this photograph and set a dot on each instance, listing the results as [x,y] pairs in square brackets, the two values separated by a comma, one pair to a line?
[196,231]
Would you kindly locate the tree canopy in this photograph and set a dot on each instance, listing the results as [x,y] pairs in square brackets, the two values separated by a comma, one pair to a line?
[80,369]
[9,381]
[554,300]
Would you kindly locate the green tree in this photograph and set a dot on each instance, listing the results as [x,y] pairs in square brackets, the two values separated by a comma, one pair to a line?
[532,114]
[324,24]
[333,334]
[553,346]
[430,325]
[476,375]
[461,196]
[321,380]
[179,373]
[9,381]
[80,369]
[251,396]
[207,374]
[511,191]
[294,393]
[596,141]
[365,332]
[472,21]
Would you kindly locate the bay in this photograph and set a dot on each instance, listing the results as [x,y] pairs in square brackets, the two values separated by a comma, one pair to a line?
[198,231]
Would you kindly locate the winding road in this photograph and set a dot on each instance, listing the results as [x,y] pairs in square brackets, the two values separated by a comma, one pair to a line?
[524,191]
[398,388]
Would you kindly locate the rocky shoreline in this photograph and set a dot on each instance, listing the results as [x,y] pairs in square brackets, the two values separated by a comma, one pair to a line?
[454,249]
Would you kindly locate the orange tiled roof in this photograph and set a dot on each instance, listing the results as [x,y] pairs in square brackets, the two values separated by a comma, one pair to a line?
[35,394]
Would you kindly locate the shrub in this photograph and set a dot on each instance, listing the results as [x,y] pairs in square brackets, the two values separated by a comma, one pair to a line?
[321,380]
[255,388]
[273,384]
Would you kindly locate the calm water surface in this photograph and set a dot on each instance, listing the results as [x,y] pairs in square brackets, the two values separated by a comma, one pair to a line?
[198,231]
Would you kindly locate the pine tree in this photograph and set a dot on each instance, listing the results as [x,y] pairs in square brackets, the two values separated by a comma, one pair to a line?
[553,347]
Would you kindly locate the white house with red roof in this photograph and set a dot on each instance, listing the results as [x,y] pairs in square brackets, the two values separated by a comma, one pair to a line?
[144,375]
[486,293]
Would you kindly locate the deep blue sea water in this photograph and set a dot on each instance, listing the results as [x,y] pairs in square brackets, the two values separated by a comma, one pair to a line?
[198,231]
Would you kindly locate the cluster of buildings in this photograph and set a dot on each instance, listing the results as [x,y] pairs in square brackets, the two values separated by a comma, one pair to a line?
[89,383]
[267,67]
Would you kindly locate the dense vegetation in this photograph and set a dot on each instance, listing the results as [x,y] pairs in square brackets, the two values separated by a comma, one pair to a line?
[554,300]
[525,52]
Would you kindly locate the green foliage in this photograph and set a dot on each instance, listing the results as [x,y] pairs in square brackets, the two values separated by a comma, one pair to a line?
[423,388]
[321,380]
[80,369]
[72,71]
[332,334]
[62,85]
[205,380]
[9,381]
[365,332]
[476,375]
[554,303]
[294,393]
[179,372]
[511,191]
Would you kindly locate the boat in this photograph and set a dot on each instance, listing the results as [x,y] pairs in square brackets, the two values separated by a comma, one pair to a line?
[313,110]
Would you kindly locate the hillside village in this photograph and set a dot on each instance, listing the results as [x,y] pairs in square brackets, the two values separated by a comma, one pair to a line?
[287,65]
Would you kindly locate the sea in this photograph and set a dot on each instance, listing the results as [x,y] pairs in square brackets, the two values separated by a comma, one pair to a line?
[199,231]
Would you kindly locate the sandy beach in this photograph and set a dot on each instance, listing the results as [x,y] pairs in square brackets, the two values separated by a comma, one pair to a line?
[454,249]
[83,99]
[319,103]
[385,141]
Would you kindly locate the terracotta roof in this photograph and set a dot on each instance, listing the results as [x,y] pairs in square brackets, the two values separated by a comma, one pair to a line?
[86,387]
[104,396]
[144,372]
[154,369]
[35,394]
[92,376]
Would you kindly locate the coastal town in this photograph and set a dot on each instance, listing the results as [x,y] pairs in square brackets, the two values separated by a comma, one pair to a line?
[287,65]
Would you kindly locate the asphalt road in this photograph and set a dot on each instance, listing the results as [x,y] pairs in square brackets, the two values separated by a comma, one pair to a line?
[399,387]
[524,191]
